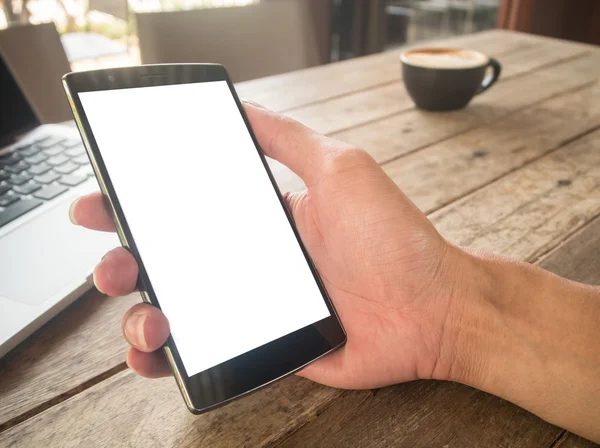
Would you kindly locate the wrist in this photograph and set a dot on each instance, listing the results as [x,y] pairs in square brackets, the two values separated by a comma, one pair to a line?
[468,318]
[473,322]
[526,335]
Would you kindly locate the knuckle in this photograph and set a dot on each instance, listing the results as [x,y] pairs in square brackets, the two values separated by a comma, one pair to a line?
[349,158]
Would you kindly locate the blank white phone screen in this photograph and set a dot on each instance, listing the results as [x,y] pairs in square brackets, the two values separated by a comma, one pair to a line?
[218,248]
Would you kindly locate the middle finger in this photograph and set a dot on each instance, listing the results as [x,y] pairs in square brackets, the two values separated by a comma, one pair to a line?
[90,211]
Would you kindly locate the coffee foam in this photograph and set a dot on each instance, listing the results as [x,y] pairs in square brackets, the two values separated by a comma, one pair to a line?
[444,59]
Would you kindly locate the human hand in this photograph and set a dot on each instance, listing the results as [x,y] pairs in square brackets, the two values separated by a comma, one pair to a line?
[389,273]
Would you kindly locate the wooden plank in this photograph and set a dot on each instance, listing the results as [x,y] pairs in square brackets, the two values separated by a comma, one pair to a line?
[296,89]
[578,258]
[423,414]
[82,342]
[539,37]
[569,440]
[530,211]
[381,101]
[395,136]
[442,173]
[127,410]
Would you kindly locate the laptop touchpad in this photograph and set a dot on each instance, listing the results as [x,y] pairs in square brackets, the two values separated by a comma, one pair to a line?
[48,254]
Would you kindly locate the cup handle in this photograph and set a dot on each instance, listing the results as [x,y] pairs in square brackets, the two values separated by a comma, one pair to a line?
[490,80]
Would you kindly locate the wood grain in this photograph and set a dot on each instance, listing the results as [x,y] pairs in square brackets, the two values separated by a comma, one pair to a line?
[424,414]
[82,342]
[395,136]
[442,173]
[530,211]
[569,440]
[128,410]
[579,257]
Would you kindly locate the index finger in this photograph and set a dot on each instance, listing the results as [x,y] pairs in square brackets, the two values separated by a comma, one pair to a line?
[90,211]
[301,149]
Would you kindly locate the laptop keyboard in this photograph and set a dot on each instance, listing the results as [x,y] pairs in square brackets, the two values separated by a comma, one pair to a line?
[38,172]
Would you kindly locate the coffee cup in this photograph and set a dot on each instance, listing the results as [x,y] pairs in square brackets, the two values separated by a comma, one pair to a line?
[443,79]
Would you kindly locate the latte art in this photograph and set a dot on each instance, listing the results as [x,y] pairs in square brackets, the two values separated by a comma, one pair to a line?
[445,59]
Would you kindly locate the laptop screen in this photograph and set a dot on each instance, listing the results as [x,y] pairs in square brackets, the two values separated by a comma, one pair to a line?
[15,113]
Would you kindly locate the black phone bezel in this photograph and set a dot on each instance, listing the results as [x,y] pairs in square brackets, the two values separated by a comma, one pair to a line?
[254,369]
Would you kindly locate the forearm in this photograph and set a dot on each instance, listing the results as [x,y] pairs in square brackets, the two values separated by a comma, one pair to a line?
[530,337]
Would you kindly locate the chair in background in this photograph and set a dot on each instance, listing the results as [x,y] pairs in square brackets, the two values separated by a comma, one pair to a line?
[35,55]
[250,41]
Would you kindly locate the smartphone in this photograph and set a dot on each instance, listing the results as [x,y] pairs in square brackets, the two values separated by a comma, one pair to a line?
[194,201]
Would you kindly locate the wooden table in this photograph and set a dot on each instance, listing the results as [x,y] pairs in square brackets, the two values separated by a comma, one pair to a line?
[517,173]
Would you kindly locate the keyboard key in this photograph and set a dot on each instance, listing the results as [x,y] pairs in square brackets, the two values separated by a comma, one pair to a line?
[75,151]
[8,199]
[85,171]
[50,192]
[5,189]
[72,179]
[81,160]
[17,167]
[71,143]
[26,188]
[9,159]
[17,209]
[40,168]
[19,179]
[23,146]
[36,158]
[50,142]
[47,178]
[54,150]
[66,168]
[57,160]
[42,138]
[29,150]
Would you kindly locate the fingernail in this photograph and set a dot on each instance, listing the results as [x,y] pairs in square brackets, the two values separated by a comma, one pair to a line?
[96,283]
[94,274]
[72,212]
[134,330]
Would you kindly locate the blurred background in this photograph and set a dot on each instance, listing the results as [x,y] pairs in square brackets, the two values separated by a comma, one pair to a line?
[105,33]
[257,38]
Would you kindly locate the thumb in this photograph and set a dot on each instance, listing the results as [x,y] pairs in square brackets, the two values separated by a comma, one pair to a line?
[301,149]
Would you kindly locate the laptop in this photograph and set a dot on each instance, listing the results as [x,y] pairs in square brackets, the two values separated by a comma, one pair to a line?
[45,261]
